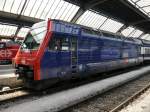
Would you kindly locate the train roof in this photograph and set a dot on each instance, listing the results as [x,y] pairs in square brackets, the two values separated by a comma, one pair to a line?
[146,42]
[75,29]
[137,41]
[65,24]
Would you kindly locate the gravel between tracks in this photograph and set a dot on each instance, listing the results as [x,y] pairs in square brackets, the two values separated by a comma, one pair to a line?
[109,100]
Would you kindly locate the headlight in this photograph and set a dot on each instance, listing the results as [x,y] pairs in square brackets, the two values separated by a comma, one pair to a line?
[23,61]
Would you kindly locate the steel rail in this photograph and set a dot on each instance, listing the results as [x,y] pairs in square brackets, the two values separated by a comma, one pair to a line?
[130,99]
[11,90]
[10,95]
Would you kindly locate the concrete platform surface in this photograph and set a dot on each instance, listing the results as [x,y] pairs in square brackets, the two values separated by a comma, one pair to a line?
[6,66]
[7,76]
[142,104]
[6,69]
[60,100]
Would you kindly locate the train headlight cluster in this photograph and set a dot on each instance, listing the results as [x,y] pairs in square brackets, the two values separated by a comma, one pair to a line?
[23,61]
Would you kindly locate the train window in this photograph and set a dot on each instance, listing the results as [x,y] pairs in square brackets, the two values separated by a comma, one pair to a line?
[10,43]
[34,38]
[147,51]
[51,45]
[65,44]
[2,45]
[58,44]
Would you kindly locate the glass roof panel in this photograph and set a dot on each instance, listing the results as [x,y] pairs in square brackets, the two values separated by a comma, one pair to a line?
[43,5]
[54,9]
[2,4]
[127,31]
[69,12]
[13,6]
[111,26]
[145,36]
[7,30]
[46,9]
[7,5]
[62,10]
[136,33]
[36,7]
[148,37]
[23,32]
[143,5]
[91,19]
[29,7]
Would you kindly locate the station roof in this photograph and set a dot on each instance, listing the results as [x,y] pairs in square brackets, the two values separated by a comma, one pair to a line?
[128,17]
[143,5]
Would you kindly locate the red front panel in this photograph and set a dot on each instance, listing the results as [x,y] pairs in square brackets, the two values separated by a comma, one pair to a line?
[8,53]
[32,57]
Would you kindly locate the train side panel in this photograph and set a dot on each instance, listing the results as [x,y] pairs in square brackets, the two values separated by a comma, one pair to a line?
[55,63]
[145,51]
[66,51]
[94,55]
[8,52]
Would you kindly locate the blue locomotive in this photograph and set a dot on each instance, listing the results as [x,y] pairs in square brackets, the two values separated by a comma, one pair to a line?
[54,50]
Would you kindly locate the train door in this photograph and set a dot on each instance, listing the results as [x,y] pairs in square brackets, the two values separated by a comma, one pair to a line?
[74,56]
[60,46]
[57,58]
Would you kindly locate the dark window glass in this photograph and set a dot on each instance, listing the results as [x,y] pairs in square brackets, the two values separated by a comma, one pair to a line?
[64,44]
[2,45]
[60,43]
[35,36]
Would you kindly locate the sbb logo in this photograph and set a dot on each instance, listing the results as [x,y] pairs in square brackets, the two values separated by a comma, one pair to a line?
[5,53]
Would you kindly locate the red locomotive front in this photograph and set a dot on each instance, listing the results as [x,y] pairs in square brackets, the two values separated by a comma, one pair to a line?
[27,60]
[8,51]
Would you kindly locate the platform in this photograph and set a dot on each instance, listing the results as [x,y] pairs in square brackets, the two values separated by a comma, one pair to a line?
[6,69]
[7,76]
[142,104]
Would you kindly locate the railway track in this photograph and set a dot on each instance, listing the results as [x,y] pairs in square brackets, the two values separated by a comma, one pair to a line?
[114,100]
[18,92]
[11,90]
[33,95]
[131,99]
[12,94]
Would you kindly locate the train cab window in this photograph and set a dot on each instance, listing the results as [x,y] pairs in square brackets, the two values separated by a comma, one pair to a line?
[51,45]
[59,44]
[2,45]
[64,44]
